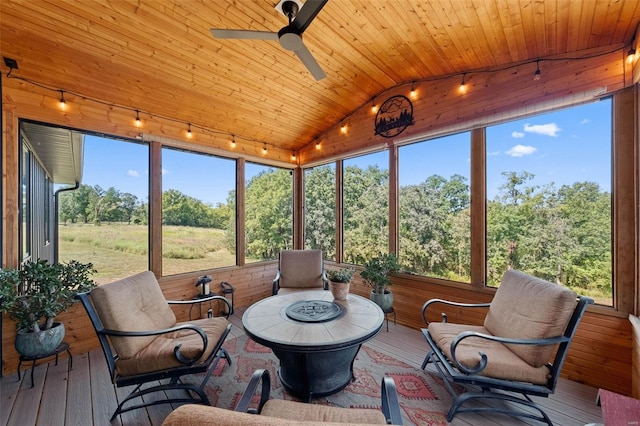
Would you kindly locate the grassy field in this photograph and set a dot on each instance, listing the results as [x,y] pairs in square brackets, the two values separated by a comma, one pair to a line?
[119,250]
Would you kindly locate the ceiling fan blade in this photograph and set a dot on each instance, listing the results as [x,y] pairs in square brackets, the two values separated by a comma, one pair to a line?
[244,34]
[310,62]
[306,14]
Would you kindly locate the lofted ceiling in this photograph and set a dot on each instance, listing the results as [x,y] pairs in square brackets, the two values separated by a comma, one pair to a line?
[159,56]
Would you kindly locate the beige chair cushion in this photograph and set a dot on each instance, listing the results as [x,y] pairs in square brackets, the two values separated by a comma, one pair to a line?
[301,268]
[202,415]
[291,410]
[501,362]
[135,303]
[158,354]
[526,307]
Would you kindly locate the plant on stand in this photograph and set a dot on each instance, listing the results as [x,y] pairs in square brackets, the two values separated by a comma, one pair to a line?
[34,294]
[376,274]
[339,282]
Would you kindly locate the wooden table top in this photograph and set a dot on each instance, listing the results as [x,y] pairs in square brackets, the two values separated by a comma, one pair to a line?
[267,323]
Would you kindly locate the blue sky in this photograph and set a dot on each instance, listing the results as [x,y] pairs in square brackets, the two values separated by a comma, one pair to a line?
[563,147]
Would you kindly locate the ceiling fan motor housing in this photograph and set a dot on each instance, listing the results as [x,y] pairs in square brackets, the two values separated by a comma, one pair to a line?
[289,39]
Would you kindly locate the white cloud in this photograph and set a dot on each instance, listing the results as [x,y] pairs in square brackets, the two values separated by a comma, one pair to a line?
[520,150]
[517,135]
[133,173]
[585,121]
[493,153]
[550,129]
[165,171]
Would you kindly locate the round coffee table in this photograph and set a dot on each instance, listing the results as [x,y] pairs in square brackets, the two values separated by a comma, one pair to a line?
[316,357]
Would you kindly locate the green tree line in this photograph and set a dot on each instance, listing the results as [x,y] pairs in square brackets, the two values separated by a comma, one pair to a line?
[93,204]
[560,234]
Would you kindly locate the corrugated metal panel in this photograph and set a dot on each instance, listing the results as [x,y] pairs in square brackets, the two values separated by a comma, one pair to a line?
[59,150]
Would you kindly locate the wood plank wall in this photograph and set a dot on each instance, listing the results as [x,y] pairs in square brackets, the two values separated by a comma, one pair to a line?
[601,354]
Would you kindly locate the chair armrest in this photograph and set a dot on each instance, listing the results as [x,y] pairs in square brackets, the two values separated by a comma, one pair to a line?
[449,302]
[276,283]
[204,299]
[259,377]
[176,349]
[390,405]
[483,357]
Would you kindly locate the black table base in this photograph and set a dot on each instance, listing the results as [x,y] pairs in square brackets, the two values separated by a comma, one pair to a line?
[315,374]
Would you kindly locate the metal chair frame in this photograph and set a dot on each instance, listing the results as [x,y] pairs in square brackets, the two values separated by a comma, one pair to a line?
[173,375]
[452,371]
[262,378]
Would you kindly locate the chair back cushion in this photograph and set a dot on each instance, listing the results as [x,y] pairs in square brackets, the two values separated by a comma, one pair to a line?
[204,415]
[135,303]
[526,307]
[301,268]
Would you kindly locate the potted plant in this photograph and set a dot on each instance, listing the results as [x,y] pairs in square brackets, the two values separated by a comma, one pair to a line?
[376,273]
[339,282]
[34,294]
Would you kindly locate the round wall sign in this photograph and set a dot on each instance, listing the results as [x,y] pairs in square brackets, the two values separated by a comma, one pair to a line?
[394,116]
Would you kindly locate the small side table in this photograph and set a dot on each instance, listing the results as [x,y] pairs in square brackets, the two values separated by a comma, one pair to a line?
[64,346]
[196,299]
[386,316]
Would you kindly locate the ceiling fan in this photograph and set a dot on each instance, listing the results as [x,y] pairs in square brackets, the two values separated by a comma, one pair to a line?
[290,36]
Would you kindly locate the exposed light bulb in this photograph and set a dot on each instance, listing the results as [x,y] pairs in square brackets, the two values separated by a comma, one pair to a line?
[233,141]
[138,122]
[317,144]
[413,90]
[374,106]
[293,155]
[343,128]
[536,75]
[631,56]
[264,148]
[189,134]
[463,86]
[63,103]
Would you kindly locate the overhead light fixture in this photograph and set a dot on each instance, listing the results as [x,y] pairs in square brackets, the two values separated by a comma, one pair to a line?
[374,106]
[463,86]
[233,141]
[317,144]
[343,128]
[63,103]
[138,122]
[293,155]
[413,89]
[536,75]
[264,148]
[631,55]
[189,134]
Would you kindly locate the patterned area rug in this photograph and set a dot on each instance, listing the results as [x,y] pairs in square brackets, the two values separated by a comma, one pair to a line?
[423,399]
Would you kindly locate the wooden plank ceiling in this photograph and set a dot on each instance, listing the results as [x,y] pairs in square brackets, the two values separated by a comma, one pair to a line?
[159,56]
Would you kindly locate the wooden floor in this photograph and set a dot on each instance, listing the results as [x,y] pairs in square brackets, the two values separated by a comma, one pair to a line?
[85,395]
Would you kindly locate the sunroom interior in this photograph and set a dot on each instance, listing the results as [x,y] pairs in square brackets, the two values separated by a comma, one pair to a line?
[474,80]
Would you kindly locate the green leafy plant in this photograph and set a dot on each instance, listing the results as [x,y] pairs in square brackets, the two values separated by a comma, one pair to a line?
[34,294]
[343,275]
[376,271]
